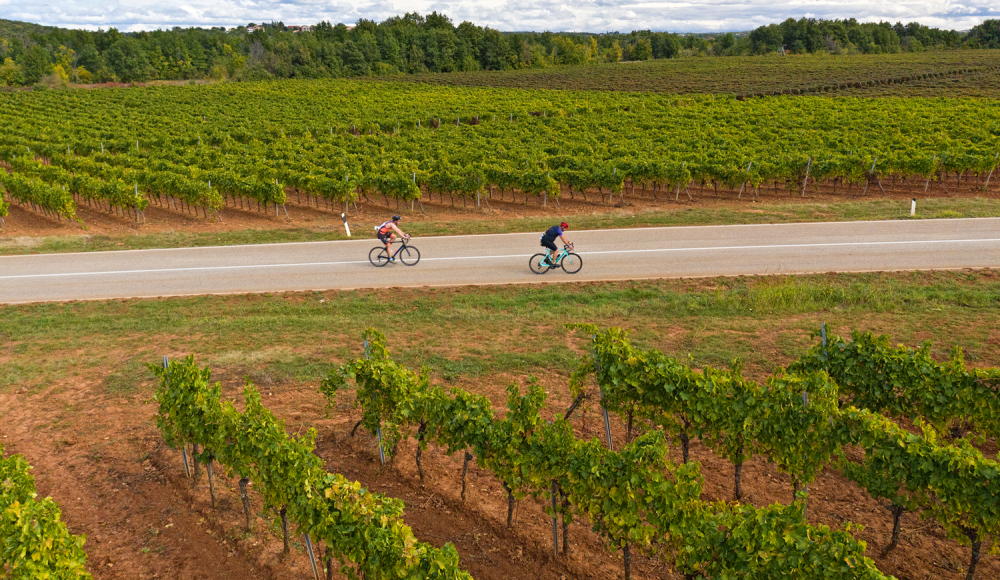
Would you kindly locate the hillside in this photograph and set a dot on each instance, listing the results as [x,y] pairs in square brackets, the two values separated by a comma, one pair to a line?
[952,73]
[15,27]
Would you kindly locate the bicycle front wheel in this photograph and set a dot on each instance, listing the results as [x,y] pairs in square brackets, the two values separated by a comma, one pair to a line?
[571,263]
[535,263]
[378,256]
[409,256]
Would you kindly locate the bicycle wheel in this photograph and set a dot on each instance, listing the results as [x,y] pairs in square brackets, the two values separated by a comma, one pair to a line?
[571,263]
[378,256]
[409,256]
[535,263]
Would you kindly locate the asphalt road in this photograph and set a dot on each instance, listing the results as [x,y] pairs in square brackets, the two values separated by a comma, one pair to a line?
[503,259]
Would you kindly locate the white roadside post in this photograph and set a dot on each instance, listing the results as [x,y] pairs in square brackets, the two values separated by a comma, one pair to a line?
[346,227]
[913,207]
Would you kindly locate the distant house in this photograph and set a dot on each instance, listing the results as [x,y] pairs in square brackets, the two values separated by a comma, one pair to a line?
[294,29]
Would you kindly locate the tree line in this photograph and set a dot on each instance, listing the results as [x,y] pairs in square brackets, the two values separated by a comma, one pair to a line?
[412,43]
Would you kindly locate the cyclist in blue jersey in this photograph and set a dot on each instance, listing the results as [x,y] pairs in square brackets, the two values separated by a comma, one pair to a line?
[385,235]
[549,239]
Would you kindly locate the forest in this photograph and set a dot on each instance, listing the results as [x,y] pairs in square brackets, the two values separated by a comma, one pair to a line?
[33,55]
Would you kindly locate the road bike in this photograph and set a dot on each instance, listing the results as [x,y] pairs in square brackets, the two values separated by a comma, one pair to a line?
[406,254]
[570,262]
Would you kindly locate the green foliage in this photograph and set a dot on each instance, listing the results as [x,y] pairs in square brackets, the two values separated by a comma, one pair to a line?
[954,484]
[29,190]
[908,382]
[258,141]
[633,498]
[33,542]
[796,419]
[36,64]
[643,50]
[933,73]
[985,35]
[413,43]
[128,60]
[359,527]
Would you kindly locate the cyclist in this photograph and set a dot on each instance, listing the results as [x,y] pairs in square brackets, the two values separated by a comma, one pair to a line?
[548,242]
[385,235]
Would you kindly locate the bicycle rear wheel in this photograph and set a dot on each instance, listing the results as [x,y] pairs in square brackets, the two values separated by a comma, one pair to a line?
[535,263]
[409,256]
[571,263]
[378,256]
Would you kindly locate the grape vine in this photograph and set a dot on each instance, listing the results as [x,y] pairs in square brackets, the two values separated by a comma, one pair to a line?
[33,542]
[635,498]
[358,526]
[212,145]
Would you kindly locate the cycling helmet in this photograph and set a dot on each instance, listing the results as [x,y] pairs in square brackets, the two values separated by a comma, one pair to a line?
[564,225]
[396,218]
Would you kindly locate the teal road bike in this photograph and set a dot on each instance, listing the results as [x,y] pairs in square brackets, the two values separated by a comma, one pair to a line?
[570,262]
[406,254]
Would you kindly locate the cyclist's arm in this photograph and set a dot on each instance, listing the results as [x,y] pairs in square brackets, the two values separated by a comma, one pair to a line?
[395,227]
[565,241]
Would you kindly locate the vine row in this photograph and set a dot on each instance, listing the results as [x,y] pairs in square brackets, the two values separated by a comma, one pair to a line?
[357,526]
[799,423]
[635,498]
[34,543]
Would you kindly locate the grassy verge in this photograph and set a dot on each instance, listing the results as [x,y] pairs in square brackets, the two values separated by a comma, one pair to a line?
[429,225]
[465,333]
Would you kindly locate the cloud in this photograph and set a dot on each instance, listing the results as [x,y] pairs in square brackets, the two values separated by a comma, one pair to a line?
[507,15]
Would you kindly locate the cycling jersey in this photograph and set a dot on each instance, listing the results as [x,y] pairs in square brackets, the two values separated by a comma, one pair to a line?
[384,228]
[551,234]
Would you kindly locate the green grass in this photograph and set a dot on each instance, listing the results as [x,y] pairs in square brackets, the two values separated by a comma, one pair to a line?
[601,218]
[468,333]
[127,377]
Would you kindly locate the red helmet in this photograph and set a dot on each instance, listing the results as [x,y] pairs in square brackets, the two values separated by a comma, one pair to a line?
[564,225]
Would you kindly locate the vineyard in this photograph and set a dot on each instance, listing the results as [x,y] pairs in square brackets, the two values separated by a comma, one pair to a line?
[927,74]
[33,542]
[258,147]
[628,492]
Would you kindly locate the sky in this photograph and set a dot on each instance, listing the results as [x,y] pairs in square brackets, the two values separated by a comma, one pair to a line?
[505,15]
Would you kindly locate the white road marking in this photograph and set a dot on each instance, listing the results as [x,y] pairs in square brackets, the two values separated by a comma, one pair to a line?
[481,257]
[451,236]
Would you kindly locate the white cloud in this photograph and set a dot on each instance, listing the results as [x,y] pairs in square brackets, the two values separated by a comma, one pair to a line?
[508,15]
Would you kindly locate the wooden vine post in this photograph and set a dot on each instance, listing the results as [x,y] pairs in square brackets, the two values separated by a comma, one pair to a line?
[745,178]
[245,499]
[312,555]
[806,180]
[555,523]
[987,185]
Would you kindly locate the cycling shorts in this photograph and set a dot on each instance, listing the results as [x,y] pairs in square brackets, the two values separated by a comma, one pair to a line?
[384,238]
[550,245]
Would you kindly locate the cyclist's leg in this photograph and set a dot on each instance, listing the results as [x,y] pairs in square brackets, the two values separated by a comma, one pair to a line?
[550,251]
[388,247]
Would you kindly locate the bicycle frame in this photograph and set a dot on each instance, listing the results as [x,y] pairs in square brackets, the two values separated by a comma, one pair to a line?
[401,241]
[559,256]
